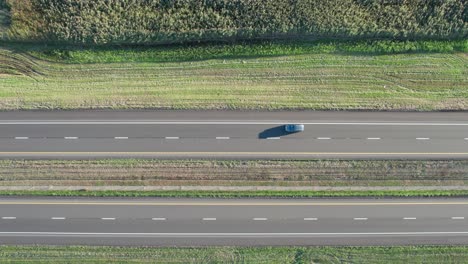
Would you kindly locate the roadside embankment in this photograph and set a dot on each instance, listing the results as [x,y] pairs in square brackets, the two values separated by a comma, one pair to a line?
[293,255]
[372,75]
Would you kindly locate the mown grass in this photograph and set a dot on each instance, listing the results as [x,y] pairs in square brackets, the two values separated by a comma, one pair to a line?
[283,255]
[241,194]
[151,172]
[380,75]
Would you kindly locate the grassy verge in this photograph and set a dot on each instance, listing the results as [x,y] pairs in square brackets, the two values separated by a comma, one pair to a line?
[293,255]
[242,194]
[379,75]
[183,53]
[152,172]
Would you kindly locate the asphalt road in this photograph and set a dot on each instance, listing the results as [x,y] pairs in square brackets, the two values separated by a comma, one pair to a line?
[173,134]
[161,222]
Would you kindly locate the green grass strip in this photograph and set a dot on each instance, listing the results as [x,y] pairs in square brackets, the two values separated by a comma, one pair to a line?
[241,194]
[245,50]
[270,255]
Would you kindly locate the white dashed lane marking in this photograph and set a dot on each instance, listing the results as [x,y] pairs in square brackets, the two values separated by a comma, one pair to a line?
[374,138]
[323,138]
[421,138]
[222,137]
[71,137]
[21,137]
[214,219]
[121,137]
[273,137]
[172,137]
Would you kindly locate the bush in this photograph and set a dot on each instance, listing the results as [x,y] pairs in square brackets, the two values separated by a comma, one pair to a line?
[178,21]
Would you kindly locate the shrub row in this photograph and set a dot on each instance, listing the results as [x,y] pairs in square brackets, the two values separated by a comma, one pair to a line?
[170,21]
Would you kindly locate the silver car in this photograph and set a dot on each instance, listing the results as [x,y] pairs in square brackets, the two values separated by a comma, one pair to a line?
[292,128]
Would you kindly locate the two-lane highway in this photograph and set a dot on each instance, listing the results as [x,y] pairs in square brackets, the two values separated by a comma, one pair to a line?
[165,222]
[233,135]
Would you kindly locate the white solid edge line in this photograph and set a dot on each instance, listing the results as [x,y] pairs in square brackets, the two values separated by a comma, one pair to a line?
[209,219]
[222,137]
[121,137]
[158,219]
[260,219]
[273,138]
[38,234]
[108,218]
[422,138]
[70,137]
[310,219]
[376,138]
[409,218]
[360,218]
[21,137]
[458,218]
[8,217]
[104,122]
[57,218]
[172,137]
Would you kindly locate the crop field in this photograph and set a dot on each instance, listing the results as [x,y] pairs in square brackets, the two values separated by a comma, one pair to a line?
[4,20]
[189,21]
[270,255]
[266,77]
[130,172]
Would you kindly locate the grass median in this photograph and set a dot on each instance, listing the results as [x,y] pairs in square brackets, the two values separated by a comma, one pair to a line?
[376,75]
[293,255]
[234,178]
[234,173]
[243,194]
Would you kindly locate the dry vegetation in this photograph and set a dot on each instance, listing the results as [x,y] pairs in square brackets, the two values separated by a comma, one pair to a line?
[231,173]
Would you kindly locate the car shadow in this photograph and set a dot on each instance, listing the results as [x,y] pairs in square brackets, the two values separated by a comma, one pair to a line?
[277,131]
